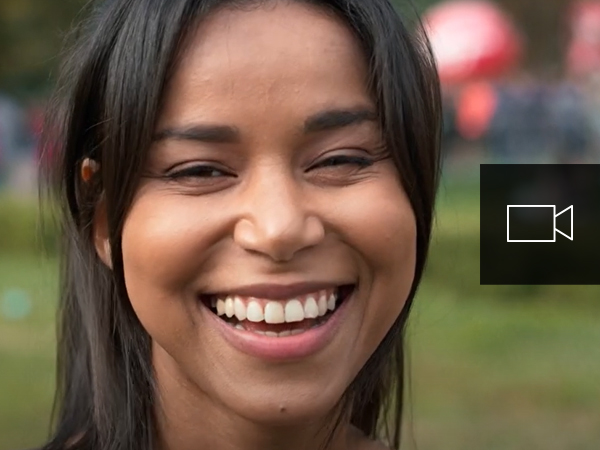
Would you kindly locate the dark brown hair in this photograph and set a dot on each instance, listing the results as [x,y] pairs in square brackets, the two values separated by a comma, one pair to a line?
[106,107]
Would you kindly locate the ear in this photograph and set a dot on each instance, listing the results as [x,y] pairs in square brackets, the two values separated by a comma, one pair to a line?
[100,234]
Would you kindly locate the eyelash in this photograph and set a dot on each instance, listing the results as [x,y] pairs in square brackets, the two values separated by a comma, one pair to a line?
[359,161]
[201,170]
[197,171]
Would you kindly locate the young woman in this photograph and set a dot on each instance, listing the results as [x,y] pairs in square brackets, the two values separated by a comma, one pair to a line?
[248,190]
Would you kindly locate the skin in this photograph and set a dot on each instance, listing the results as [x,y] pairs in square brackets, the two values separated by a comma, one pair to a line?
[269,211]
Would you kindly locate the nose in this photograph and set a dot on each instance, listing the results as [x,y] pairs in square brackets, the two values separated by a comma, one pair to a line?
[276,221]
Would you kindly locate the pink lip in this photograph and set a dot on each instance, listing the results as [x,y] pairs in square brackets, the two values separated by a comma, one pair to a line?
[279,291]
[281,348]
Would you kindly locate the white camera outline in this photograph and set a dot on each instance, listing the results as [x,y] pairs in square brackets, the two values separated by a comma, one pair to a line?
[554,216]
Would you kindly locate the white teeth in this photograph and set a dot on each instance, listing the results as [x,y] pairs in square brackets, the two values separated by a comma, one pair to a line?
[274,313]
[255,312]
[331,302]
[294,312]
[220,307]
[229,308]
[240,327]
[323,304]
[271,334]
[311,310]
[295,332]
[239,308]
[285,333]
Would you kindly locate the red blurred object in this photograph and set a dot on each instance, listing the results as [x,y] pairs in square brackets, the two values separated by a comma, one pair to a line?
[472,40]
[475,108]
[583,55]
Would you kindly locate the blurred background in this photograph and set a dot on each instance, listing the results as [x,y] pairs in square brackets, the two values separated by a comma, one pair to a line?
[493,367]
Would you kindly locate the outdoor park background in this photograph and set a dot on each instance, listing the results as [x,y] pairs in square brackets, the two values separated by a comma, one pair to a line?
[507,368]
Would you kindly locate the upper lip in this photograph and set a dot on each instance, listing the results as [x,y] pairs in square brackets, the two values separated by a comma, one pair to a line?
[279,291]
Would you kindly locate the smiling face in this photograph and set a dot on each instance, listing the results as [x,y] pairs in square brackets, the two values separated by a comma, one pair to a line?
[268,182]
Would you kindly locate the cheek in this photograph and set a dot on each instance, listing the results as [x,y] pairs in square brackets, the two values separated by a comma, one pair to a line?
[394,273]
[161,257]
[383,232]
[163,241]
[380,225]
[388,234]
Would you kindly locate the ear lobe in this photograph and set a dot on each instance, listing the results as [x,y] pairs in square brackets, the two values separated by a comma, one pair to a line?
[100,234]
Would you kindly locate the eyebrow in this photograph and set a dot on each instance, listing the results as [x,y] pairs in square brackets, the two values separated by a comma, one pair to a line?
[223,134]
[338,118]
[216,134]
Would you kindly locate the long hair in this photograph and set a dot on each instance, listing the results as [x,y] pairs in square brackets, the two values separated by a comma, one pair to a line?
[106,107]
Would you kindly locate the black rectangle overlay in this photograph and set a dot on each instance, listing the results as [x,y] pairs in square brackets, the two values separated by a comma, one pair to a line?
[540,224]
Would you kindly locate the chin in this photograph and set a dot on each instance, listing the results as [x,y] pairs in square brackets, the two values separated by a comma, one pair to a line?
[286,407]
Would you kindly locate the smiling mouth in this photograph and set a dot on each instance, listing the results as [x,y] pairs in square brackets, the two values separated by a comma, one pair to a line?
[278,318]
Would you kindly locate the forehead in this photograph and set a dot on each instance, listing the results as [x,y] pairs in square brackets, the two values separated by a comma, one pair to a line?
[284,56]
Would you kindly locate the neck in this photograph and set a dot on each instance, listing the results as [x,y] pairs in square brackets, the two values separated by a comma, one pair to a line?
[187,419]
[240,434]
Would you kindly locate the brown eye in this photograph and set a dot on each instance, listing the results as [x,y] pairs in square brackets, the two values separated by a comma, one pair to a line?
[199,171]
[341,160]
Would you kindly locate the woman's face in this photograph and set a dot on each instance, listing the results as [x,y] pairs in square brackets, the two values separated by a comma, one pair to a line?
[268,192]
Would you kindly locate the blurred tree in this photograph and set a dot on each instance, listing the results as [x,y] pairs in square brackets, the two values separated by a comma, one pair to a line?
[31,32]
[544,24]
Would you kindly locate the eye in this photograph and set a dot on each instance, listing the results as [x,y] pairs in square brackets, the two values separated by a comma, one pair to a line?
[342,160]
[198,171]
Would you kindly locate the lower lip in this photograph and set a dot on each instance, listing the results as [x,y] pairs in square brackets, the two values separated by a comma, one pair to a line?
[281,348]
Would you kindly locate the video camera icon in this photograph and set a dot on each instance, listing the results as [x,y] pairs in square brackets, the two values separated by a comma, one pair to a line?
[552,217]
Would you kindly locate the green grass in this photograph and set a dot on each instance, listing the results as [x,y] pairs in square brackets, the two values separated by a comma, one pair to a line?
[507,368]
[26,353]
[498,367]
[22,229]
[488,374]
